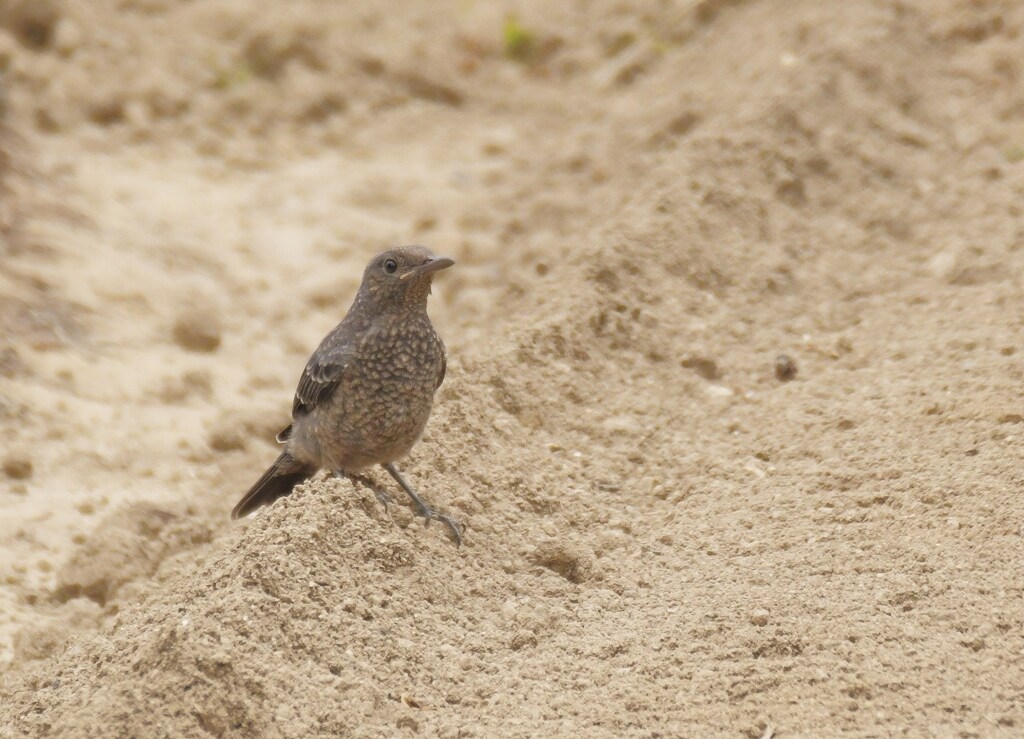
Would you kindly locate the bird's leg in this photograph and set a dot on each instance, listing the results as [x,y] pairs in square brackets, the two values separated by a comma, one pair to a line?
[422,508]
[382,495]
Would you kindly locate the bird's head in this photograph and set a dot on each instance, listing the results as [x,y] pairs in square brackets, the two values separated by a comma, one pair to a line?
[400,278]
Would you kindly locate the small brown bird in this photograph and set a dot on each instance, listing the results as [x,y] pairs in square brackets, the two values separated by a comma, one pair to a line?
[367,391]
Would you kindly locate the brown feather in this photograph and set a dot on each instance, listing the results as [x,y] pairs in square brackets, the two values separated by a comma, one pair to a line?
[277,482]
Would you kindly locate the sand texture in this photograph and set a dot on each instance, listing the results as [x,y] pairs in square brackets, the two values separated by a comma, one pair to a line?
[732,417]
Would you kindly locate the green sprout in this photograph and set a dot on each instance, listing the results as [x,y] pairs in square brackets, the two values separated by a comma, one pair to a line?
[520,42]
[233,76]
[1014,153]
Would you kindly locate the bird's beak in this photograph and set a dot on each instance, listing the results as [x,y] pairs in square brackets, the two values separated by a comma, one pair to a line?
[429,267]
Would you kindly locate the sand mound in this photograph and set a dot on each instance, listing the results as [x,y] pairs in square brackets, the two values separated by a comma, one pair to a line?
[670,530]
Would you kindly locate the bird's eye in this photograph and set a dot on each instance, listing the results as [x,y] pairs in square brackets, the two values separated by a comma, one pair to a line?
[390,266]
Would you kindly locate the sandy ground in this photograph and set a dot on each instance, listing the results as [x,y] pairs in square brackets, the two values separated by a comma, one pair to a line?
[648,204]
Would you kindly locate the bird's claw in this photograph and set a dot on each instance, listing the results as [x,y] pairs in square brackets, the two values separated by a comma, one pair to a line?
[422,509]
[384,498]
[430,514]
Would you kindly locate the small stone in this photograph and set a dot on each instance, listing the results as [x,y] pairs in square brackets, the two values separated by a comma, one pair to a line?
[226,438]
[67,37]
[785,367]
[17,467]
[32,21]
[706,367]
[574,563]
[944,264]
[86,508]
[194,383]
[197,331]
[975,645]
[759,617]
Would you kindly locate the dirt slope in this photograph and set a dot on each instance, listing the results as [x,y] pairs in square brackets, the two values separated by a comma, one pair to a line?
[647,208]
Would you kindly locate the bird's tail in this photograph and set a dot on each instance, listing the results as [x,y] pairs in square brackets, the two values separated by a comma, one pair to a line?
[276,482]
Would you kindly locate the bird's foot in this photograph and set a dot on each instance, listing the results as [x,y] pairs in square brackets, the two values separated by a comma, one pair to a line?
[422,509]
[432,514]
[384,498]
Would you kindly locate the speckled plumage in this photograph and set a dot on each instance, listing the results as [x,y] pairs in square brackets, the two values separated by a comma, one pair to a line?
[367,391]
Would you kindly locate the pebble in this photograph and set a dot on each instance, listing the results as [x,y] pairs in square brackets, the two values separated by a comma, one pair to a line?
[759,617]
[197,331]
[67,37]
[17,467]
[785,367]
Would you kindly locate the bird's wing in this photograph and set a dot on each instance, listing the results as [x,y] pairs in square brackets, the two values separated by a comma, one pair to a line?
[324,372]
[444,368]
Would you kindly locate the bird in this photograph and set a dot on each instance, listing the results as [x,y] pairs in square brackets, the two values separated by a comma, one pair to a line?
[367,391]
